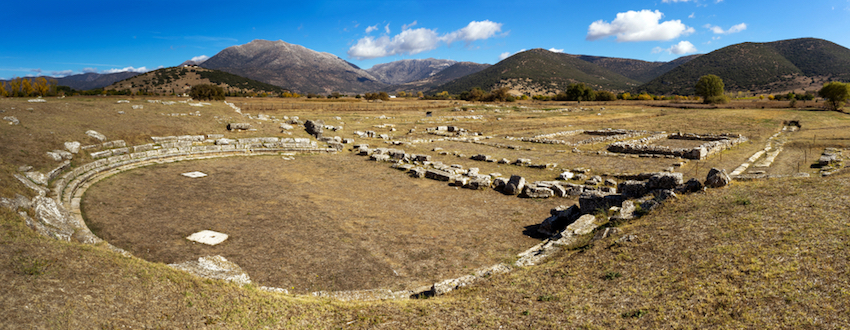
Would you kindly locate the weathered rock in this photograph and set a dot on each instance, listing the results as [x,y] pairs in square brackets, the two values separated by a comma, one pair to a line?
[610,182]
[499,183]
[37,177]
[421,158]
[537,192]
[15,203]
[64,154]
[379,157]
[96,135]
[72,147]
[215,267]
[559,190]
[480,182]
[632,188]
[566,175]
[286,126]
[439,175]
[691,186]
[12,120]
[560,217]
[417,172]
[314,127]
[238,126]
[54,156]
[627,210]
[593,201]
[480,157]
[717,178]
[449,285]
[224,141]
[585,224]
[515,185]
[336,145]
[55,221]
[664,180]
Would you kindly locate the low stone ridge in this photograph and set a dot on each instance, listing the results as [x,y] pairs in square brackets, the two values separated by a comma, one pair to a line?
[600,136]
[715,143]
[215,267]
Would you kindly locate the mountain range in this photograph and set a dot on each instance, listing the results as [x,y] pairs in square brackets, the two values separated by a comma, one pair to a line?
[771,67]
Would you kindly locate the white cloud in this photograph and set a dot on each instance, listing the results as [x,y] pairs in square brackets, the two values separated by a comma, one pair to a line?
[200,59]
[414,41]
[127,69]
[387,28]
[638,26]
[674,1]
[89,70]
[692,15]
[407,42]
[474,31]
[555,50]
[371,28]
[734,29]
[683,47]
[505,55]
[35,70]
[406,26]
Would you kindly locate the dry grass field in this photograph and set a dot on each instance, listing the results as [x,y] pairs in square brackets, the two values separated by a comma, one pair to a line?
[769,253]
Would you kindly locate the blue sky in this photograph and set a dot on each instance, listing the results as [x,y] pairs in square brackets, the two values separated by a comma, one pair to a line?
[62,38]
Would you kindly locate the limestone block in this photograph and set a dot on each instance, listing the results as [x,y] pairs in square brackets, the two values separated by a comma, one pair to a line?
[537,192]
[664,180]
[96,135]
[585,224]
[514,185]
[72,147]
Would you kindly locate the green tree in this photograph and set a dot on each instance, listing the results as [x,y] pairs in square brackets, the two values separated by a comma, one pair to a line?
[836,94]
[499,94]
[206,92]
[710,88]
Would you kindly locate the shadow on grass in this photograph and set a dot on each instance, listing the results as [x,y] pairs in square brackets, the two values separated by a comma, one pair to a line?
[531,231]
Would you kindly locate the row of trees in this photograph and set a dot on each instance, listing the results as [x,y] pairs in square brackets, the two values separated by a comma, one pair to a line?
[207,92]
[26,87]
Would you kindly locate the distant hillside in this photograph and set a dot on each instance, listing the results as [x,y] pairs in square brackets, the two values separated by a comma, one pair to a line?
[540,72]
[453,72]
[404,71]
[86,81]
[641,71]
[293,66]
[180,80]
[772,67]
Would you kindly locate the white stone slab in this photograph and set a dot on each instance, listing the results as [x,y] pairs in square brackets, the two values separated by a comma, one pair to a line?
[208,237]
[195,174]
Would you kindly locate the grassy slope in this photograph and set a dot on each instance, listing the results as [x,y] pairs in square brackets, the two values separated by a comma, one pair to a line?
[767,254]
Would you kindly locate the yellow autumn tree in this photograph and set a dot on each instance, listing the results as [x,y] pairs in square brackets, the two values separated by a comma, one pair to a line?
[14,87]
[42,86]
[26,87]
[3,91]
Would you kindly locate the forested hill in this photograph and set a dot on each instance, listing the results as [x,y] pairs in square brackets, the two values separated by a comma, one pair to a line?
[772,67]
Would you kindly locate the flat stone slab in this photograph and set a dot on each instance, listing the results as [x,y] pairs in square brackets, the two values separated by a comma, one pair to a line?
[195,174]
[208,237]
